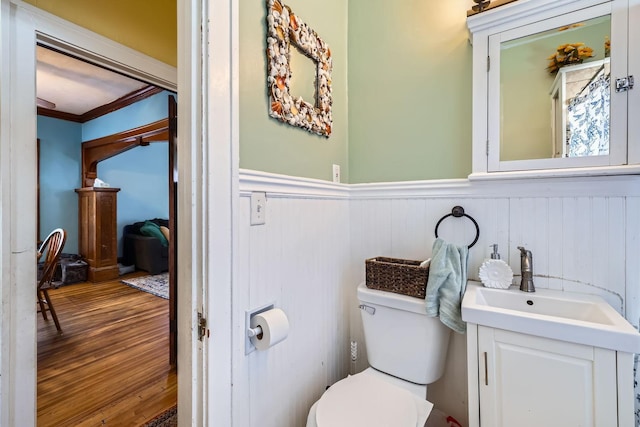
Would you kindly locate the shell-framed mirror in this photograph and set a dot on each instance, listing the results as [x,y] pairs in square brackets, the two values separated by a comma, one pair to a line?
[284,30]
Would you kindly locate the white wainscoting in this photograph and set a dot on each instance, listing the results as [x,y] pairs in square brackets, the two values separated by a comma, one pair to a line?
[297,260]
[584,236]
[309,258]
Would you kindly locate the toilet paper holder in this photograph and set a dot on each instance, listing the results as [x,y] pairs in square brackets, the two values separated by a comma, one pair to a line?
[252,332]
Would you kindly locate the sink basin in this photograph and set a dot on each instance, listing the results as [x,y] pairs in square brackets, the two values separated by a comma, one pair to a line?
[567,316]
[547,305]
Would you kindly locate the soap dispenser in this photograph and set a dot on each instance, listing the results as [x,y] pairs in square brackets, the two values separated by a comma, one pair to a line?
[494,272]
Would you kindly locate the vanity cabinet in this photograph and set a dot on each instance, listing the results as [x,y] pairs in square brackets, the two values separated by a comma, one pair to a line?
[522,380]
[517,130]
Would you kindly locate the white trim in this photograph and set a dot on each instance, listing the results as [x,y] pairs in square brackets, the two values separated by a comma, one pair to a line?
[473,375]
[586,172]
[237,373]
[633,98]
[19,347]
[290,186]
[276,185]
[517,13]
[220,118]
[625,387]
[5,216]
[78,41]
[412,189]
[17,133]
[191,400]
[479,103]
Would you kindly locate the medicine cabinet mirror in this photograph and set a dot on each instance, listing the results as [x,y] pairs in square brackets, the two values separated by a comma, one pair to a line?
[553,78]
[550,89]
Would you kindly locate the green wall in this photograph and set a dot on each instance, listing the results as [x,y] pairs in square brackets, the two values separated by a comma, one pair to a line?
[265,143]
[408,66]
[409,90]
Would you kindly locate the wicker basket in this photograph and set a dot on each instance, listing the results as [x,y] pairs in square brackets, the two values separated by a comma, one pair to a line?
[401,276]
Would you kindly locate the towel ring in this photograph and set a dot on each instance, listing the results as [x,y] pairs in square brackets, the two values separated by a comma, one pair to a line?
[458,211]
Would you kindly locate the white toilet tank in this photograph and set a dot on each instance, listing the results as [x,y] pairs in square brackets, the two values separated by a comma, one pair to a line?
[400,339]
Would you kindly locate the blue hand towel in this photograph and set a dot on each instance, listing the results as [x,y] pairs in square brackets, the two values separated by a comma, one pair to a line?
[446,284]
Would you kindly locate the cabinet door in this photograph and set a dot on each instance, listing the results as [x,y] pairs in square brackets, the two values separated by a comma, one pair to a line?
[106,229]
[529,381]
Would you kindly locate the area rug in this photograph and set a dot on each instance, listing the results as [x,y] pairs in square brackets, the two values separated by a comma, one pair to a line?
[157,285]
[168,418]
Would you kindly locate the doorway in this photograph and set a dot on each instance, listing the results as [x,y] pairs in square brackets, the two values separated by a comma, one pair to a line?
[135,160]
[208,113]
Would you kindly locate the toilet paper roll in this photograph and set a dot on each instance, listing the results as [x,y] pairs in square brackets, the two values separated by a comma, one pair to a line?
[275,328]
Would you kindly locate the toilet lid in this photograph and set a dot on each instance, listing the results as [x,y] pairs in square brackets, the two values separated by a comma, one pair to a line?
[362,400]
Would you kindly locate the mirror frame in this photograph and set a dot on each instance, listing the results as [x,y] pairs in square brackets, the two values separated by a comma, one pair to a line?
[519,19]
[286,29]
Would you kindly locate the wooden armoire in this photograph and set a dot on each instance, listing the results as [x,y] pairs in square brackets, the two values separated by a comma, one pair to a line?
[98,231]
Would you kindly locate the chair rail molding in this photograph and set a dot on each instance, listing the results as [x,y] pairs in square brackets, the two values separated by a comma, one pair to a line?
[277,185]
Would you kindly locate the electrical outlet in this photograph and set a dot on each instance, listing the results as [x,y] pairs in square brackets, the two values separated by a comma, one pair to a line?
[336,173]
[258,208]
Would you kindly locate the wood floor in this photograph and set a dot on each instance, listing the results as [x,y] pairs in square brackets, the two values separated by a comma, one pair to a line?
[111,364]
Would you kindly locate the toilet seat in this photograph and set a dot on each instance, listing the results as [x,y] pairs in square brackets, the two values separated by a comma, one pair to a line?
[364,400]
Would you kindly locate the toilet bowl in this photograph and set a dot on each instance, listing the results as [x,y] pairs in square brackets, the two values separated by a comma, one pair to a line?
[372,399]
[406,351]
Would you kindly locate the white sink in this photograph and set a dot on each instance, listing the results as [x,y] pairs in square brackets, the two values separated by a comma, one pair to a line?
[567,316]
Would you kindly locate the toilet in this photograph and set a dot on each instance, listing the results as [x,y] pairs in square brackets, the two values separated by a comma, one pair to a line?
[406,351]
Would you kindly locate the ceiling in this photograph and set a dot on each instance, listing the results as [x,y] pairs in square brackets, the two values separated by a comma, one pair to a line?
[68,85]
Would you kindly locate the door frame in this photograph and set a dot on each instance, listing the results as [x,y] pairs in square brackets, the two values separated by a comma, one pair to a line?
[207,177]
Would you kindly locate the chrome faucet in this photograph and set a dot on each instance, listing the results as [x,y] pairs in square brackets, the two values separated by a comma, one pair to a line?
[526,270]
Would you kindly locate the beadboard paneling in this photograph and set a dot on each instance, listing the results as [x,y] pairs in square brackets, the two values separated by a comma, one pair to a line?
[577,243]
[299,261]
[585,244]
[632,290]
[309,259]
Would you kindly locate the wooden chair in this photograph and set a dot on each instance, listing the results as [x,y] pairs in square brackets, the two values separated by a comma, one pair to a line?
[51,248]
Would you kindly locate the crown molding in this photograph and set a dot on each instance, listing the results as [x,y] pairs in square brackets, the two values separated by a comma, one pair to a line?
[124,101]
[55,114]
[493,19]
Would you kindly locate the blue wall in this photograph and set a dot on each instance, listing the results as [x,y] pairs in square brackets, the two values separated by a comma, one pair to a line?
[142,176]
[60,170]
[141,113]
[140,173]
